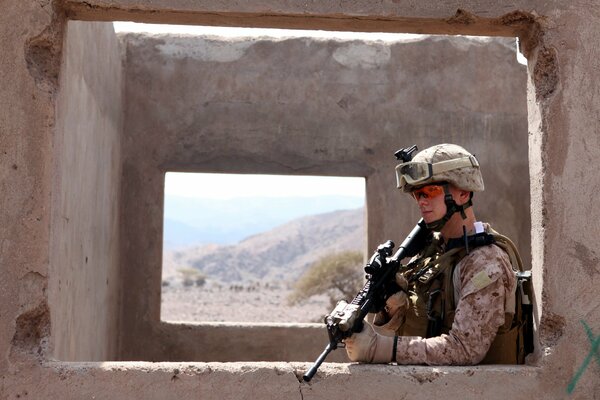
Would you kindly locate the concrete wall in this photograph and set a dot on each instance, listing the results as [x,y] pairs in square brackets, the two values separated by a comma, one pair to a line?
[306,106]
[84,234]
[561,44]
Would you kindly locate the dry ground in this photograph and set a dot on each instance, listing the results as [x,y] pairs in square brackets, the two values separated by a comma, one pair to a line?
[249,303]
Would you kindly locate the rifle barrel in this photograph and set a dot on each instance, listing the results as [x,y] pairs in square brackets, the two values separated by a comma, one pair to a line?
[313,370]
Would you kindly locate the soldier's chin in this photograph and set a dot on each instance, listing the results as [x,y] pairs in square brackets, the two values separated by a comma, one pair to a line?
[427,216]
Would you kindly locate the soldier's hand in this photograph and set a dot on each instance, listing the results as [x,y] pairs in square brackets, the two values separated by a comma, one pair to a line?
[369,347]
[394,315]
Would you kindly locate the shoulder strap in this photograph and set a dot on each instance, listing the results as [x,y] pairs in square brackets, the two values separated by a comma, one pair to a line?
[506,245]
[449,289]
[509,247]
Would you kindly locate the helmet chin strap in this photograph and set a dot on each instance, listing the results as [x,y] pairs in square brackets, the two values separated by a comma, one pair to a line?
[451,208]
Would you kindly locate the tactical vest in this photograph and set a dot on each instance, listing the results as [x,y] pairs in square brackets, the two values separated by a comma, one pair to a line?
[431,292]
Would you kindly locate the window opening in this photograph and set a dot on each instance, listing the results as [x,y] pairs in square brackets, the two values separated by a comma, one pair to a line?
[73,325]
[235,247]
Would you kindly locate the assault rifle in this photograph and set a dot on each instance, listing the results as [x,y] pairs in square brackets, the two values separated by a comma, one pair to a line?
[347,318]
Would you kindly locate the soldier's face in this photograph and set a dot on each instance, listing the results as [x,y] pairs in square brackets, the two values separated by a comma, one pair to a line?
[430,199]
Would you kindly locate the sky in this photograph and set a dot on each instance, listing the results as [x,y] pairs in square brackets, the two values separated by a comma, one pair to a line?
[227,186]
[244,32]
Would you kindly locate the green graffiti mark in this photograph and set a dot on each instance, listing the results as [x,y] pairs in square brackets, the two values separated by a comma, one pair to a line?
[595,341]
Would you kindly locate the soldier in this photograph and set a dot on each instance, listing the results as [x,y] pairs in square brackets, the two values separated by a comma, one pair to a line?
[457,300]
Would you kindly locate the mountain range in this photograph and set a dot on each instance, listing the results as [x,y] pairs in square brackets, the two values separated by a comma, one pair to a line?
[282,253]
[193,221]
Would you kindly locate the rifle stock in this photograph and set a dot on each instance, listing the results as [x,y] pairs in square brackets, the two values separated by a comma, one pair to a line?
[347,318]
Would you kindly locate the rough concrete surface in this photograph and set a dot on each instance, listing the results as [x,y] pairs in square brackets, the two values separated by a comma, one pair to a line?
[85,208]
[305,106]
[562,107]
[26,125]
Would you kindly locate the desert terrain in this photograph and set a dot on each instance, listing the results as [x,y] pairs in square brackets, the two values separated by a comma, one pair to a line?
[238,303]
[250,281]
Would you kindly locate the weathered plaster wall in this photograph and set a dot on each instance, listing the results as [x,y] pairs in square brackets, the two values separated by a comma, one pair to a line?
[305,106]
[563,106]
[564,117]
[84,235]
[26,126]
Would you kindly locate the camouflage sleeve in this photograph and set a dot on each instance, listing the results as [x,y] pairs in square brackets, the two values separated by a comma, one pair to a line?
[485,277]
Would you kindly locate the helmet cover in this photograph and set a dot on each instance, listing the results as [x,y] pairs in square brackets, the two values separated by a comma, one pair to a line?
[441,163]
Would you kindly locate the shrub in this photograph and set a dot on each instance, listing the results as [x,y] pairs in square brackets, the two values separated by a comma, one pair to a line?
[191,277]
[339,276]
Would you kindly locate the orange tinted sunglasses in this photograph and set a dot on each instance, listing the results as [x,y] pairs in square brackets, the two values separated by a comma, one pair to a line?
[427,192]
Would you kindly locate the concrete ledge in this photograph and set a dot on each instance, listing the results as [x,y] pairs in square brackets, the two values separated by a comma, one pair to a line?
[263,380]
[228,342]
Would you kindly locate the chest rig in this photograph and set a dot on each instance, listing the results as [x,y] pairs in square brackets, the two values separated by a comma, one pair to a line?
[431,293]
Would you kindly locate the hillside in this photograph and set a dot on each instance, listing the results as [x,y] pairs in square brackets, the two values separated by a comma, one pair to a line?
[280,254]
[194,221]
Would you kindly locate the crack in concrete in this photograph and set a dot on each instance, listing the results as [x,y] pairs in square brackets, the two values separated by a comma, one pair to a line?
[300,390]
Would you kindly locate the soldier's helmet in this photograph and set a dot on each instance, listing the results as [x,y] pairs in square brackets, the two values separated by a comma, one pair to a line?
[441,163]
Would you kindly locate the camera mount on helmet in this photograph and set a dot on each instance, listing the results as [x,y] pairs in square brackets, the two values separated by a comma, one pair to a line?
[406,154]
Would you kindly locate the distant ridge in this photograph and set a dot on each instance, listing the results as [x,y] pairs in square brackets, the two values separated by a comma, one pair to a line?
[280,254]
[192,221]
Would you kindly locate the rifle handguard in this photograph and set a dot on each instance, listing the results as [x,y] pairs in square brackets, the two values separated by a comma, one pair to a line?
[347,318]
[343,315]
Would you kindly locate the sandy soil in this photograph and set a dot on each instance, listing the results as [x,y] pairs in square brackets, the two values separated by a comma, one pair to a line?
[249,303]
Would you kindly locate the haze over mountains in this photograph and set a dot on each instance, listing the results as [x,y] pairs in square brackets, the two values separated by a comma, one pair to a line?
[280,254]
[193,221]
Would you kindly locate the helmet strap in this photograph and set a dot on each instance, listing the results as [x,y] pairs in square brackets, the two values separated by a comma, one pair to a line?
[451,208]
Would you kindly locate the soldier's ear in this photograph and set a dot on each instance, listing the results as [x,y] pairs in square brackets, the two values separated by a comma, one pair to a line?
[464,196]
